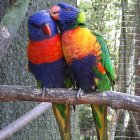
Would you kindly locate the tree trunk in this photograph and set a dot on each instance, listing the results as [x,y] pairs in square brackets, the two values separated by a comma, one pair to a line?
[137,64]
[133,128]
[14,16]
[126,58]
[13,72]
[121,70]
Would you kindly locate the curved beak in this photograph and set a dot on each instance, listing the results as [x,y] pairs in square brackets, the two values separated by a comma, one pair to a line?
[54,12]
[47,30]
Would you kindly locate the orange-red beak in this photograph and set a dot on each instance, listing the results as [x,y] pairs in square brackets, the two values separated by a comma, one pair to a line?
[54,12]
[47,30]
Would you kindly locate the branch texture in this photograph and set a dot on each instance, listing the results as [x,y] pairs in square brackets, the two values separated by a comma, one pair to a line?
[113,99]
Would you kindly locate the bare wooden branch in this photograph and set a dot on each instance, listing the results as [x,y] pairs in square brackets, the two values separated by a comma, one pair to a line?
[24,120]
[10,24]
[113,99]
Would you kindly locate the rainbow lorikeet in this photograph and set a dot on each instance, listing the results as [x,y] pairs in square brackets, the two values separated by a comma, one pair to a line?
[87,56]
[46,62]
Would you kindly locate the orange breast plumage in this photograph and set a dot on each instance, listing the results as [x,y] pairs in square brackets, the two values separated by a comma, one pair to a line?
[45,51]
[78,43]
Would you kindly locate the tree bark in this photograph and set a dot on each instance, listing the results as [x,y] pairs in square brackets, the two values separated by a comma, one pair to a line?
[10,24]
[113,99]
[113,125]
[136,116]
[137,131]
[12,72]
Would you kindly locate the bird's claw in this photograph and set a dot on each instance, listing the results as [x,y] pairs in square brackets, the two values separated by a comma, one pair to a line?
[79,93]
[44,91]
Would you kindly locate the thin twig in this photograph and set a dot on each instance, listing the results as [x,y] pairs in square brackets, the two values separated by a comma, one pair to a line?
[24,120]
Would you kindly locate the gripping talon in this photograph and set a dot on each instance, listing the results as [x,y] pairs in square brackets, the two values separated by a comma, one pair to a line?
[44,90]
[79,93]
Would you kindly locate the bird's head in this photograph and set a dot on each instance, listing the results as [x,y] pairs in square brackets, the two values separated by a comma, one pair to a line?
[41,26]
[68,16]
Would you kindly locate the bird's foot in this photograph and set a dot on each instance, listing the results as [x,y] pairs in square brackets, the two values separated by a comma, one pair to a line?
[71,88]
[79,93]
[44,91]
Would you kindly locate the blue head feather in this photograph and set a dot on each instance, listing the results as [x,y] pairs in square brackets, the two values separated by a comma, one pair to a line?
[36,22]
[68,16]
[67,6]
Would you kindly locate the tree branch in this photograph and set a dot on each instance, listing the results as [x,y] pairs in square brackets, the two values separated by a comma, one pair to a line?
[113,99]
[10,24]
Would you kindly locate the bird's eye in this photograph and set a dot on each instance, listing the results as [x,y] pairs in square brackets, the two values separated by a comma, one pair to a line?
[55,12]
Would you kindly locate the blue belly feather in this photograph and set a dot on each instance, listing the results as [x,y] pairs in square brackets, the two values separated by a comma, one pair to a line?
[82,71]
[51,75]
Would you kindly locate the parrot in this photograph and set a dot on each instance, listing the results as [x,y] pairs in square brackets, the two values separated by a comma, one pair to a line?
[88,58]
[46,62]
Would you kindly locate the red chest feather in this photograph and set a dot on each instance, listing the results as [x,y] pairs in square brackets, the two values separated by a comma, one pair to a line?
[48,50]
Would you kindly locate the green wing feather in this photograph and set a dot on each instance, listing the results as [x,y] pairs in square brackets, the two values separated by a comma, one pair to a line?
[62,115]
[109,77]
[99,114]
[106,81]
[106,60]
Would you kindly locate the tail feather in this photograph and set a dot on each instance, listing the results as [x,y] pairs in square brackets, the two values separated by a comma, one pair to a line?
[100,113]
[62,115]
